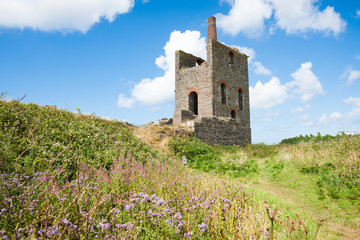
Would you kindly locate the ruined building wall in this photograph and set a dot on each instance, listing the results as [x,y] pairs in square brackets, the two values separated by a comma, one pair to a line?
[195,76]
[192,77]
[224,132]
[234,75]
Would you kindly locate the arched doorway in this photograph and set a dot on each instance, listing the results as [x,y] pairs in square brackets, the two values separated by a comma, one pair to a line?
[193,102]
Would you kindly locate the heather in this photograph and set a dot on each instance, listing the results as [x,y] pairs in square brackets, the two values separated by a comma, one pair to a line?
[130,200]
[75,176]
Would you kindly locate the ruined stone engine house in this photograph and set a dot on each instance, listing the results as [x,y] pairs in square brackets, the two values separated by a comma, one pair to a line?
[213,96]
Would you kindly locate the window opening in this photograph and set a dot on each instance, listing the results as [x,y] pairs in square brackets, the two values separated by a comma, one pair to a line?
[241,99]
[223,94]
[231,59]
[193,102]
[233,114]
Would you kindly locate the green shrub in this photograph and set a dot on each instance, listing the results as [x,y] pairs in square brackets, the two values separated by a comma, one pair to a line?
[307,138]
[199,154]
[274,167]
[207,158]
[261,150]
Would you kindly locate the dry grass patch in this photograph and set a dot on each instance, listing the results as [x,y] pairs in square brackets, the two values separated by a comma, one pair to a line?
[159,136]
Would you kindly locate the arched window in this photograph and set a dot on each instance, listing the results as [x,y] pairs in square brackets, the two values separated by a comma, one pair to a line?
[233,114]
[231,59]
[193,102]
[223,94]
[241,99]
[198,62]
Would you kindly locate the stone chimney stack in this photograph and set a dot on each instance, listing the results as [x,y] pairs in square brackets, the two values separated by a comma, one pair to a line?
[212,28]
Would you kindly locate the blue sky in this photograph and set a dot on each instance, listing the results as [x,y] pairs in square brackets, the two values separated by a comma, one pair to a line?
[115,58]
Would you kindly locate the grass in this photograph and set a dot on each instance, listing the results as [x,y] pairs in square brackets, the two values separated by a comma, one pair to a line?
[74,176]
[318,179]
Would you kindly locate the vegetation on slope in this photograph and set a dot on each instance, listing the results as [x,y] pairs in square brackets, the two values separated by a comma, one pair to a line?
[75,176]
[35,138]
[71,176]
[319,175]
[308,138]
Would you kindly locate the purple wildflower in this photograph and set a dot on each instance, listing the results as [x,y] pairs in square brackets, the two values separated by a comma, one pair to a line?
[65,221]
[178,216]
[123,226]
[130,226]
[160,202]
[169,221]
[203,227]
[187,235]
[128,207]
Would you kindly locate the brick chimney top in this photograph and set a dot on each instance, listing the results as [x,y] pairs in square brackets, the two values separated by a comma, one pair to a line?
[212,28]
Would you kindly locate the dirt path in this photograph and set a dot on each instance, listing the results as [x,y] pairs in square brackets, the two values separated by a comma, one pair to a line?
[337,227]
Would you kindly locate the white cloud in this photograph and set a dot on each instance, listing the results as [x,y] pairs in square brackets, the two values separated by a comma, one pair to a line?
[300,109]
[154,109]
[248,51]
[334,117]
[355,104]
[259,69]
[245,16]
[350,75]
[266,115]
[161,89]
[306,82]
[303,16]
[60,15]
[307,121]
[125,102]
[295,17]
[358,13]
[267,95]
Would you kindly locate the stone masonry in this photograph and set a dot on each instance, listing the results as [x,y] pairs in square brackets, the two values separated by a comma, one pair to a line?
[213,95]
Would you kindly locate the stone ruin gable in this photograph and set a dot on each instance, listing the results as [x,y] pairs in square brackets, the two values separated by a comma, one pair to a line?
[192,74]
[219,88]
[225,132]
[234,75]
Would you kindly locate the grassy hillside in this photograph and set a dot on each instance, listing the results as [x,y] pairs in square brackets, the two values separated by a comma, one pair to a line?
[319,176]
[35,138]
[76,176]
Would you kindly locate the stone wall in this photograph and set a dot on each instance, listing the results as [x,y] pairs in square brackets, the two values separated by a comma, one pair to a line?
[224,65]
[220,131]
[235,76]
[191,77]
